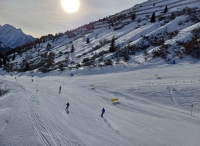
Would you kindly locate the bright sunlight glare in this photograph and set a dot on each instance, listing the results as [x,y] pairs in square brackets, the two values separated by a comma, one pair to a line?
[70,6]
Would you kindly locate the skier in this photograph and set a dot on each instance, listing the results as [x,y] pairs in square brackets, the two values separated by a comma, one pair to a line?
[72,75]
[32,80]
[67,106]
[59,89]
[103,111]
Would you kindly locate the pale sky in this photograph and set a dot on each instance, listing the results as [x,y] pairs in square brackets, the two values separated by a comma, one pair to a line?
[42,17]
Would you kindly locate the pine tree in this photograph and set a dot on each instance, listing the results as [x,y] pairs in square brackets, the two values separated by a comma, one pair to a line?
[48,46]
[133,16]
[153,18]
[145,54]
[61,67]
[88,40]
[72,49]
[50,59]
[166,10]
[196,32]
[78,65]
[27,67]
[112,45]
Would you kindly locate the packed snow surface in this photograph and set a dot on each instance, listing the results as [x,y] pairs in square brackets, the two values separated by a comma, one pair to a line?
[154,107]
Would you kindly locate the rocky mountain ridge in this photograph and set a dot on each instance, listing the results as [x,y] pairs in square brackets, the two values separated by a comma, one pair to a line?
[12,37]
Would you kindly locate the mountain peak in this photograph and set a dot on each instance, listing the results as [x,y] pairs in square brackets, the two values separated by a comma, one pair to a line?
[8,26]
[12,37]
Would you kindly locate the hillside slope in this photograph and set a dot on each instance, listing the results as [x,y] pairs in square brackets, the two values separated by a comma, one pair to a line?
[154,29]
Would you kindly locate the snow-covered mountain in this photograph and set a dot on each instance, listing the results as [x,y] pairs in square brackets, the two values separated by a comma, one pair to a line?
[164,29]
[12,37]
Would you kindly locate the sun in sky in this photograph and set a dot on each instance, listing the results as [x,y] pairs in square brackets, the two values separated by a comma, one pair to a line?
[70,6]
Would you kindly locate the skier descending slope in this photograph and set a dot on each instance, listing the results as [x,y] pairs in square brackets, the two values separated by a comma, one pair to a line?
[59,89]
[67,106]
[103,111]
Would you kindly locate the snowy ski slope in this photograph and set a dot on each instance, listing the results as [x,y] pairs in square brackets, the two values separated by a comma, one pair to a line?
[151,111]
[155,98]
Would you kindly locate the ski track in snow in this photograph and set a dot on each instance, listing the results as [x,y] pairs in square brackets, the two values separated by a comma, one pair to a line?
[39,125]
[171,94]
[47,135]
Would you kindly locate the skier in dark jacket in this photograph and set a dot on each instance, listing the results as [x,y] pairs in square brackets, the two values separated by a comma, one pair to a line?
[60,89]
[103,111]
[67,106]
